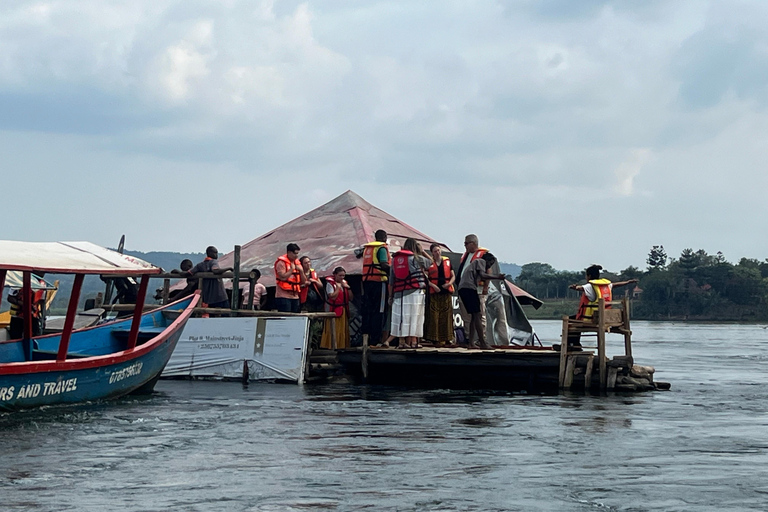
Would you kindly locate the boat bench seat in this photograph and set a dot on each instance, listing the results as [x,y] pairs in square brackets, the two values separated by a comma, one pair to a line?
[50,355]
[145,334]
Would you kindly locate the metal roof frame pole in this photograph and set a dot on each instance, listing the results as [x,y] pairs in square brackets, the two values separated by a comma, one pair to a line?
[136,322]
[69,321]
[2,284]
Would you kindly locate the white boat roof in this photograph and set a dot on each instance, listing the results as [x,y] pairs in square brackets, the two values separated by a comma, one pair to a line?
[70,258]
[15,279]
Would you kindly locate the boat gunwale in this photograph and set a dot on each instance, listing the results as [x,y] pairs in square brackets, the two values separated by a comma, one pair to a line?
[22,367]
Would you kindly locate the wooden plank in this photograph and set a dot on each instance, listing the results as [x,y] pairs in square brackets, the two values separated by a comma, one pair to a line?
[588,373]
[601,343]
[236,280]
[627,329]
[563,352]
[611,382]
[569,369]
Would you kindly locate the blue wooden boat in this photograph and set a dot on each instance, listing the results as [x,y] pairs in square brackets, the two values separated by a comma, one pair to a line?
[96,363]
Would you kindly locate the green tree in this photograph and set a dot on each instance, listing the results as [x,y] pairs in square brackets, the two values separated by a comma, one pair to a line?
[657,258]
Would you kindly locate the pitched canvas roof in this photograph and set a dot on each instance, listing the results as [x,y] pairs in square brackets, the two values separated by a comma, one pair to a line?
[329,235]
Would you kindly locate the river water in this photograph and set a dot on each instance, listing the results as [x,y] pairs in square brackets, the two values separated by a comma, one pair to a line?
[203,446]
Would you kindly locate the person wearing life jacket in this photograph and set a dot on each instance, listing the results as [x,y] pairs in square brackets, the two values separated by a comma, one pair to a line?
[311,295]
[376,263]
[595,289]
[289,276]
[16,301]
[407,286]
[338,295]
[438,324]
[473,276]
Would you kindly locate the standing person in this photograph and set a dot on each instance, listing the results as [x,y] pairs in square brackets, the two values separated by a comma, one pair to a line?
[407,283]
[339,296]
[376,262]
[438,326]
[289,277]
[595,289]
[473,286]
[310,296]
[214,294]
[259,292]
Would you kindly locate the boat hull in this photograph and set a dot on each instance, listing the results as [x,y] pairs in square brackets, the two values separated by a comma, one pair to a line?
[39,383]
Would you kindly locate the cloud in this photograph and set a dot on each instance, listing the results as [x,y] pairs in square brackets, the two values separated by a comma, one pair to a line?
[629,169]
[525,111]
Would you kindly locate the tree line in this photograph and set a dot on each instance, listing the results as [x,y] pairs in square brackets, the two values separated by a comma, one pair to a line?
[696,286]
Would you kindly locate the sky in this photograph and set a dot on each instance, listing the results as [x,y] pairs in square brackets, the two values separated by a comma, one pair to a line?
[562,132]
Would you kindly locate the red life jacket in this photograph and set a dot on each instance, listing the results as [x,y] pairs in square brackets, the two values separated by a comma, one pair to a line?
[478,254]
[404,279]
[305,291]
[588,307]
[339,303]
[293,284]
[433,274]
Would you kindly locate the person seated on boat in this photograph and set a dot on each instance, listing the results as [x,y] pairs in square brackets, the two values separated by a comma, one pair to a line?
[185,267]
[339,295]
[259,292]
[16,301]
[214,294]
[473,286]
[289,276]
[595,289]
[311,295]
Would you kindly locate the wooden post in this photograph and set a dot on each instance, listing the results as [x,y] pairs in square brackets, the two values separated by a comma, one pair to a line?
[133,336]
[166,290]
[601,344]
[563,352]
[246,374]
[627,330]
[236,280]
[365,356]
[69,322]
[588,373]
[569,368]
[333,333]
[251,290]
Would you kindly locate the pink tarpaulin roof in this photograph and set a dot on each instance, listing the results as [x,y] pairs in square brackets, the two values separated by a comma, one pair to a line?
[329,235]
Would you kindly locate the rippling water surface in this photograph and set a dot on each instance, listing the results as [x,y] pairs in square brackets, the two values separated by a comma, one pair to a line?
[266,447]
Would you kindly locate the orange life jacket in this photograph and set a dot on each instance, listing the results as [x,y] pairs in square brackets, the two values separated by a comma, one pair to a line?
[293,283]
[433,274]
[372,270]
[339,303]
[404,279]
[588,307]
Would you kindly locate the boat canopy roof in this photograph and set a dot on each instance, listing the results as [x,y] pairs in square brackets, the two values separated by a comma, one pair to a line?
[14,279]
[70,258]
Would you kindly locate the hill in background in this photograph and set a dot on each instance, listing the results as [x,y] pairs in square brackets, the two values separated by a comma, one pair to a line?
[511,269]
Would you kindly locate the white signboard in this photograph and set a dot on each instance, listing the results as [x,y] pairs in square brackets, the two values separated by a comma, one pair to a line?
[274,348]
